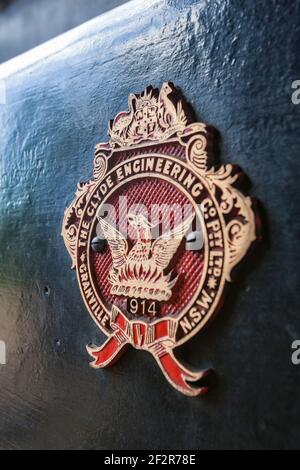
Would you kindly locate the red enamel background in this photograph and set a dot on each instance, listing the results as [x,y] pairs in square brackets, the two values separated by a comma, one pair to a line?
[189,264]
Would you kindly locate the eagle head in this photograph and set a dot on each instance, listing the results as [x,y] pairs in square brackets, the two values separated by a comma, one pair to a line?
[139,221]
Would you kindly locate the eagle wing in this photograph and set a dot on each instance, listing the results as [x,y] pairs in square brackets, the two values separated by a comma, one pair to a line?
[164,248]
[117,243]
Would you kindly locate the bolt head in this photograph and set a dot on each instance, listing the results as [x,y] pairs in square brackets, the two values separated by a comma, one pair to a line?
[194,241]
[98,245]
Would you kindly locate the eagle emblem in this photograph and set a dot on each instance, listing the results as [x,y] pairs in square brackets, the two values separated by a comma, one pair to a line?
[140,271]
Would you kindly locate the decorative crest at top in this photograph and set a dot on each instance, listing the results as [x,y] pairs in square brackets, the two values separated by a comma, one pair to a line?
[152,116]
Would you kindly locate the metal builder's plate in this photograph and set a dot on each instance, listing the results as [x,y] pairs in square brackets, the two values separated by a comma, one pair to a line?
[155,234]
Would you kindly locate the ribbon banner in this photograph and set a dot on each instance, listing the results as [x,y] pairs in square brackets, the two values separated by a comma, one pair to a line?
[157,338]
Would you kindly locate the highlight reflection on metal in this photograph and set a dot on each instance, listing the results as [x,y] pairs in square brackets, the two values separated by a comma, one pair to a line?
[156,292]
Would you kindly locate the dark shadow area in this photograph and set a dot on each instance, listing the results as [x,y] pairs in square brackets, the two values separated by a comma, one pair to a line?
[25,24]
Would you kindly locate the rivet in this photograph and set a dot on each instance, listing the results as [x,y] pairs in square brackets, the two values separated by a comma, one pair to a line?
[98,245]
[194,241]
